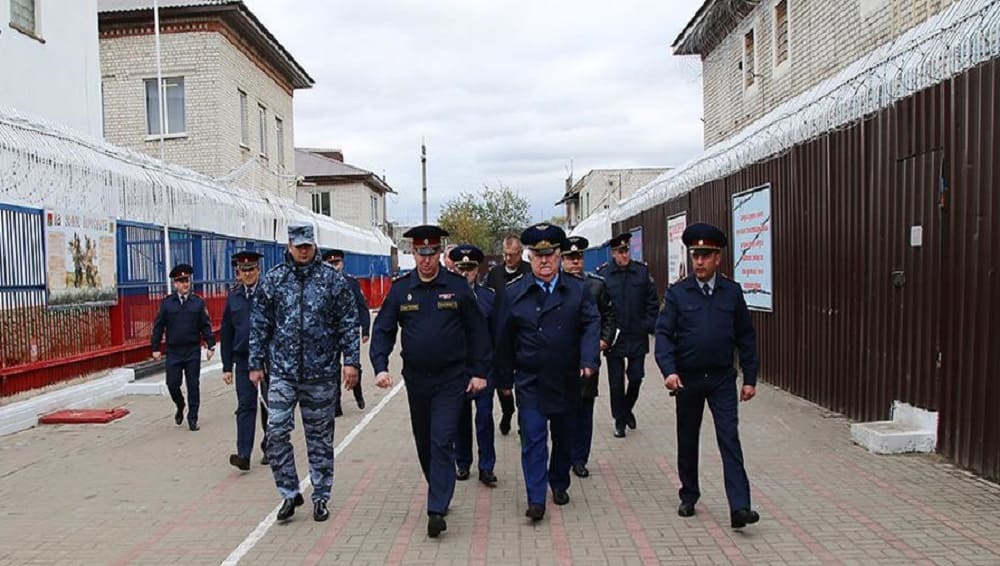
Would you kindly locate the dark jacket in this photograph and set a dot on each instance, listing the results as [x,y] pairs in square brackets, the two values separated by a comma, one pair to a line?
[303,317]
[364,313]
[543,342]
[185,325]
[697,334]
[609,327]
[236,327]
[634,296]
[498,277]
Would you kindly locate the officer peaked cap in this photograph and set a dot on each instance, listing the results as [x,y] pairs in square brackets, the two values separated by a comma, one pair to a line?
[576,245]
[466,254]
[181,270]
[426,238]
[544,238]
[702,236]
[329,254]
[620,241]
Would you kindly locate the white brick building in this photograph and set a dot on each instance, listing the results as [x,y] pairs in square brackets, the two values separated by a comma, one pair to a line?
[333,188]
[229,86]
[758,54]
[49,61]
[602,188]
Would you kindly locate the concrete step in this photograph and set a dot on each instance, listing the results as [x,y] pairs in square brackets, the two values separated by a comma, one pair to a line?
[911,430]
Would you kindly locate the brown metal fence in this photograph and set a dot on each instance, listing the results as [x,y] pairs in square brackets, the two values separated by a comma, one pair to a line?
[863,317]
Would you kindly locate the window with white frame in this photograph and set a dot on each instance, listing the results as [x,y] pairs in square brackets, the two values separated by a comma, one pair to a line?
[244,120]
[782,36]
[321,203]
[279,146]
[23,16]
[173,107]
[374,210]
[262,120]
[749,60]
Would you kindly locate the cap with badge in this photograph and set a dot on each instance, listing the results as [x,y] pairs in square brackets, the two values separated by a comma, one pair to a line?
[246,260]
[466,256]
[703,238]
[181,271]
[620,242]
[426,238]
[576,245]
[333,254]
[301,234]
[544,238]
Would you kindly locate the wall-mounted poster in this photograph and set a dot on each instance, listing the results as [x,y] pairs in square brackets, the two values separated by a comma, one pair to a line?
[676,251]
[751,246]
[635,244]
[80,259]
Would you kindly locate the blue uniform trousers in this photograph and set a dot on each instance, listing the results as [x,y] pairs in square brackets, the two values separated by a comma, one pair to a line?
[539,469]
[583,434]
[483,402]
[316,399]
[434,413]
[720,392]
[246,406]
[623,399]
[185,364]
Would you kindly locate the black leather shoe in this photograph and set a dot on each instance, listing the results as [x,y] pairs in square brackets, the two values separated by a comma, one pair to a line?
[360,399]
[338,411]
[436,525]
[685,510]
[462,474]
[535,512]
[619,431]
[193,425]
[288,507]
[505,424]
[581,470]
[320,512]
[560,497]
[631,421]
[488,477]
[743,517]
[179,415]
[239,462]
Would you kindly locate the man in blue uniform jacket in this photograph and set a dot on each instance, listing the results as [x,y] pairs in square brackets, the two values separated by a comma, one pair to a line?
[236,353]
[336,259]
[466,259]
[634,296]
[704,320]
[548,333]
[446,354]
[184,317]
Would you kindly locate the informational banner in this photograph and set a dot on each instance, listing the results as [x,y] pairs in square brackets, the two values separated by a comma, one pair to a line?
[635,244]
[751,246]
[676,251]
[80,259]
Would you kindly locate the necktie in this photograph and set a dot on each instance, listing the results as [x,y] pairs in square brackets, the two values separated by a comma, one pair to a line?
[707,290]
[182,297]
[548,287]
[249,293]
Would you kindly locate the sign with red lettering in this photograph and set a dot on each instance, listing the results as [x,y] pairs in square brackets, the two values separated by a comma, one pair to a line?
[751,245]
[676,252]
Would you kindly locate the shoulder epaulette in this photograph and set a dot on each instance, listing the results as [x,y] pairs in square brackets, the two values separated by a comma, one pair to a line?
[602,266]
[577,275]
[490,289]
[595,276]
[516,279]
[400,276]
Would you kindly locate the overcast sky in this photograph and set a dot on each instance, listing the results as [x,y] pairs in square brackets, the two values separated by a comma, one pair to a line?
[503,92]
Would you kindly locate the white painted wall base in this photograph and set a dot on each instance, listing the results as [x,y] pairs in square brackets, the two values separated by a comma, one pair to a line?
[911,430]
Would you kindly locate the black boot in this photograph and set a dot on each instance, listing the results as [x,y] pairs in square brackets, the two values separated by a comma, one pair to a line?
[288,507]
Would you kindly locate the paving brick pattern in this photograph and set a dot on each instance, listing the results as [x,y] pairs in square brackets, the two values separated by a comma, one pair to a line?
[143,491]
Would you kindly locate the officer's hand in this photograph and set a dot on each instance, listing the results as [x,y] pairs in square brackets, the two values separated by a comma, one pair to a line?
[383,380]
[210,354]
[157,355]
[256,376]
[604,345]
[673,382]
[228,377]
[748,392]
[506,392]
[476,384]
[586,373]
[349,374]
[364,339]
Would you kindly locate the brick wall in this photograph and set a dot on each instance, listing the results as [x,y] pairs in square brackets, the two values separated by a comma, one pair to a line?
[824,37]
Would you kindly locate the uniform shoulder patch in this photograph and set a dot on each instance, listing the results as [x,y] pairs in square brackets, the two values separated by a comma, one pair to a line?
[516,279]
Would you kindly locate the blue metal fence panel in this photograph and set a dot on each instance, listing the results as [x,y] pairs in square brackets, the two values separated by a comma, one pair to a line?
[594,257]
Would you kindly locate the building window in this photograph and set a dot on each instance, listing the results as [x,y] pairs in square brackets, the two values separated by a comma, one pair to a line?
[321,203]
[22,16]
[279,146]
[262,120]
[749,60]
[374,210]
[173,107]
[244,120]
[781,33]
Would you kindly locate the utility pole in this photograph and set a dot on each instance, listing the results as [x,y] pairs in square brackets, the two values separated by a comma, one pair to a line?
[423,173]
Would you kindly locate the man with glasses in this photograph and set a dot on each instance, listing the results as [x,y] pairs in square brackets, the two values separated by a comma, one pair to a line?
[466,258]
[336,259]
[498,277]
[184,317]
[235,353]
[705,319]
[548,334]
[572,261]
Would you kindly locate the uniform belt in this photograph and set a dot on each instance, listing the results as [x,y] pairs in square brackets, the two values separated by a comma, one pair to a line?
[708,373]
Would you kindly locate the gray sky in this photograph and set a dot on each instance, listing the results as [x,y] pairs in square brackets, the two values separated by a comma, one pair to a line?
[503,92]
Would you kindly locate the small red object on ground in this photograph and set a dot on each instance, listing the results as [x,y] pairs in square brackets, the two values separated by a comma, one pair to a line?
[84,416]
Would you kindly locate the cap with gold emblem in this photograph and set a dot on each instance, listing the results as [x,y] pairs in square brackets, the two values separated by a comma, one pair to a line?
[576,245]
[702,237]
[544,238]
[466,255]
[426,238]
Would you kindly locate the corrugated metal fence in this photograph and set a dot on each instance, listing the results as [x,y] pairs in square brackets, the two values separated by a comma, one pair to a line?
[863,317]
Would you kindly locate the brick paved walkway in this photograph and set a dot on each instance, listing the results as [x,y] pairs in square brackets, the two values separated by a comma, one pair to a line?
[144,491]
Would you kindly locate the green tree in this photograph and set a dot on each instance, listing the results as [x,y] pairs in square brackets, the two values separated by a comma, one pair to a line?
[485,218]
